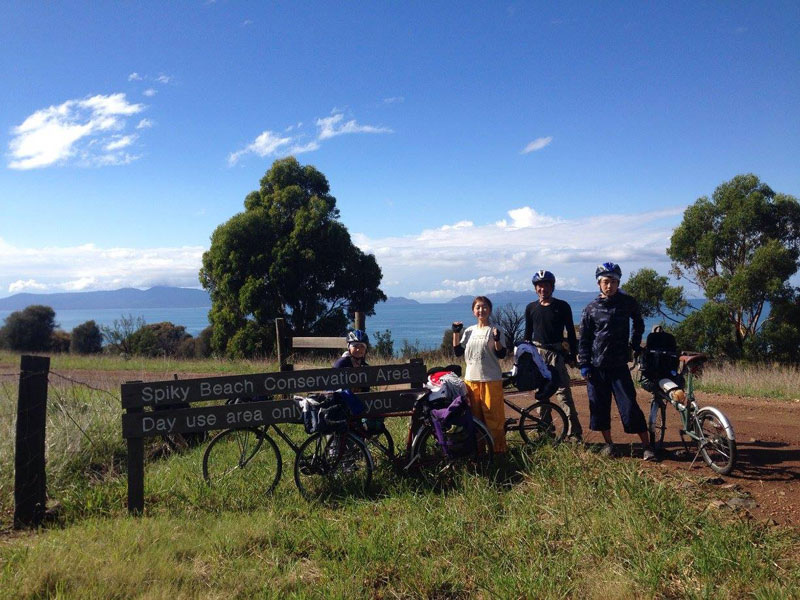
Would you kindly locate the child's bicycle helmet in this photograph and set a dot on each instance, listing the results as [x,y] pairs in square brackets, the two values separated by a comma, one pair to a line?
[608,269]
[357,337]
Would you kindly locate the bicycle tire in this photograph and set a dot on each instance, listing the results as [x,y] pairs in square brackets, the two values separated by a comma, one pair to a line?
[657,423]
[323,470]
[381,442]
[248,460]
[717,447]
[441,471]
[543,423]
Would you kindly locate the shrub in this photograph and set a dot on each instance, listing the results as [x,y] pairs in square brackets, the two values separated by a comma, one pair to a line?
[86,338]
[29,330]
[383,345]
[158,339]
[59,341]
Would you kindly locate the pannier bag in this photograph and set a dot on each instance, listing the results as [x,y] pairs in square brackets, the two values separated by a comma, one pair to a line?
[327,413]
[448,406]
[454,428]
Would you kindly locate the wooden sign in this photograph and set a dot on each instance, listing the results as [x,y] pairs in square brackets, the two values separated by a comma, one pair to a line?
[173,391]
[249,414]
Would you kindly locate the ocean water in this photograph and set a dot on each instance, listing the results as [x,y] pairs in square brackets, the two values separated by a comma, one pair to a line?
[419,324]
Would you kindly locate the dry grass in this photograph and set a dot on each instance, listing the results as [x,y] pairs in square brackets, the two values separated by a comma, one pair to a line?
[755,380]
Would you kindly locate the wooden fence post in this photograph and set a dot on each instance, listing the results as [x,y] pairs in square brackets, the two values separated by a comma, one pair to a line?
[30,483]
[359,320]
[281,342]
[135,468]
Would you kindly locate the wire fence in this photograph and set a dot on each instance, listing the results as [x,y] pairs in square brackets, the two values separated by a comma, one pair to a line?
[82,425]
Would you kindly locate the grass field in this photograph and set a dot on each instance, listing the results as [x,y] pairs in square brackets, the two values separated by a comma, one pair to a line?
[556,523]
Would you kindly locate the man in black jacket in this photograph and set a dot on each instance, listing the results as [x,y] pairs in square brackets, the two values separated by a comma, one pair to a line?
[603,355]
[545,322]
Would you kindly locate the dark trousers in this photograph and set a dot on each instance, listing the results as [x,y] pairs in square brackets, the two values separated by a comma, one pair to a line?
[601,384]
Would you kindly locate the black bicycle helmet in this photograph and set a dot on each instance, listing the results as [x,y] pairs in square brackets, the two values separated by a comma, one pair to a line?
[608,269]
[543,276]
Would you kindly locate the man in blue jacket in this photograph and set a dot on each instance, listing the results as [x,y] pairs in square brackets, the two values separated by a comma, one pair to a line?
[603,352]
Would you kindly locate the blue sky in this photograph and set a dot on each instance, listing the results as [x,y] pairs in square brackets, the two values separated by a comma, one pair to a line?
[468,144]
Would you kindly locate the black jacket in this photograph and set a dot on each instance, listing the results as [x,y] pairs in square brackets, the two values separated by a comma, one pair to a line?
[605,328]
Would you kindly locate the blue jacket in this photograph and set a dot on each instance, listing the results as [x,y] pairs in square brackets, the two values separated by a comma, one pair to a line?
[605,329]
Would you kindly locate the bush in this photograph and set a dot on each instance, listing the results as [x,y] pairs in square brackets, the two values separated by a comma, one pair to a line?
[60,341]
[447,341]
[119,333]
[86,338]
[383,345]
[29,330]
[159,339]
[202,343]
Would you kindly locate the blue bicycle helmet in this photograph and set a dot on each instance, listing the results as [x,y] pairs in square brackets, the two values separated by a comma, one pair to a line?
[543,276]
[608,269]
[357,337]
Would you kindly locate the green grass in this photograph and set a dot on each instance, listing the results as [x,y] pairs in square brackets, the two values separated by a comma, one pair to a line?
[571,525]
[557,523]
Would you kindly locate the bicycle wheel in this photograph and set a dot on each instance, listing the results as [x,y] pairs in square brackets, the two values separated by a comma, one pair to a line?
[246,460]
[330,465]
[717,445]
[657,423]
[381,443]
[441,471]
[543,423]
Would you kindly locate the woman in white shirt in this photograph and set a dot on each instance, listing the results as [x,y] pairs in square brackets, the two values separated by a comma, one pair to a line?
[482,349]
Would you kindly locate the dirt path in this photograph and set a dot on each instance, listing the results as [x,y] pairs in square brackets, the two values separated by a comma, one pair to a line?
[767,439]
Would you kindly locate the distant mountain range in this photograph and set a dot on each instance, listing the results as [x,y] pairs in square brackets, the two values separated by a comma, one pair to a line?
[155,297]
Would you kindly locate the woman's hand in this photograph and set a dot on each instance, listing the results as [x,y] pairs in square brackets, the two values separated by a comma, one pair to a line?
[457,327]
[496,335]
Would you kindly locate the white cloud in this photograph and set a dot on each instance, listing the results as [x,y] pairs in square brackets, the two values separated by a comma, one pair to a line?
[266,144]
[144,124]
[537,144]
[269,143]
[120,142]
[149,92]
[247,22]
[468,258]
[330,127]
[88,267]
[28,285]
[70,130]
[165,79]
[134,77]
[394,100]
[527,217]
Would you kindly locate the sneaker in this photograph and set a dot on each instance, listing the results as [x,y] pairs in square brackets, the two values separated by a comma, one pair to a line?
[648,454]
[607,450]
[574,439]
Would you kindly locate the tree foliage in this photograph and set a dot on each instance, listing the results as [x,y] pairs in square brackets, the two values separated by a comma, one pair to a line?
[86,338]
[287,255]
[118,334]
[160,339]
[740,247]
[780,337]
[29,330]
[655,296]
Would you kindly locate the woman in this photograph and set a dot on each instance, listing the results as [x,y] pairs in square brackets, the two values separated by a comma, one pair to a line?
[482,350]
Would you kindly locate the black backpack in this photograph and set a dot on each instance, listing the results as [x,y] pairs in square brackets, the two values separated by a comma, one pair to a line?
[660,356]
[528,375]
